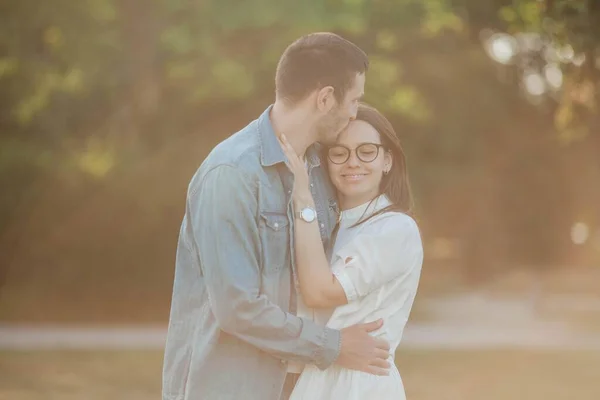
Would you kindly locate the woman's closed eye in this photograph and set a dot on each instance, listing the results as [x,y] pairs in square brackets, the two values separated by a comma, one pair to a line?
[337,152]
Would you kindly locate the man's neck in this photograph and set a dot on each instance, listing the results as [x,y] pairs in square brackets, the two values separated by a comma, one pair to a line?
[295,124]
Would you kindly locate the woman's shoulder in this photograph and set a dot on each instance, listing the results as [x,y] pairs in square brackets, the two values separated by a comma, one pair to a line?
[392,220]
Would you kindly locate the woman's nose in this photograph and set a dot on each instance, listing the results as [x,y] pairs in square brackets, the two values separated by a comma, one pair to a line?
[353,161]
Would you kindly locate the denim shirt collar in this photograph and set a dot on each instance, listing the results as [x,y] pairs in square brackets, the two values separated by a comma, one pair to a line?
[270,150]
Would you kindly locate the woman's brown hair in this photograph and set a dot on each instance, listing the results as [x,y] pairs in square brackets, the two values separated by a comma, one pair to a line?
[395,184]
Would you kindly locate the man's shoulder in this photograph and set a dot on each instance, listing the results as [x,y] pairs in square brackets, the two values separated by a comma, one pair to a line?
[240,151]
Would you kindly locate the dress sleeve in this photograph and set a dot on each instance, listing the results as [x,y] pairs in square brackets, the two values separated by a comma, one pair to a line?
[387,249]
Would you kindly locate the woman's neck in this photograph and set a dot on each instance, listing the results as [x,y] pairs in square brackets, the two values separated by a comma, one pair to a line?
[350,202]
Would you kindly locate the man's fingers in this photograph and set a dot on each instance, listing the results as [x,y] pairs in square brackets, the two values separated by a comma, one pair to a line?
[382,354]
[382,344]
[377,371]
[373,326]
[378,362]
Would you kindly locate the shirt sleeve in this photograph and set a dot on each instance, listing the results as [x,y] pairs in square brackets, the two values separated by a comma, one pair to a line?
[222,211]
[387,249]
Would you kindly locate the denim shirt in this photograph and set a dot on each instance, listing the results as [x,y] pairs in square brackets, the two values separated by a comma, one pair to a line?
[232,326]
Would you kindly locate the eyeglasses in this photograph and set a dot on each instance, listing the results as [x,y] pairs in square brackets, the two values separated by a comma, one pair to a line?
[366,152]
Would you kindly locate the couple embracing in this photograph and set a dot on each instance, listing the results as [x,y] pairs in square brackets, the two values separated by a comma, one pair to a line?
[298,260]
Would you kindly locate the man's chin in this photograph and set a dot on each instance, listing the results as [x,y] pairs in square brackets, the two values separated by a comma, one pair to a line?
[332,139]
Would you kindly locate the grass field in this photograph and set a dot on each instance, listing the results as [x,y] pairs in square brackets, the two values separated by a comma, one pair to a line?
[427,375]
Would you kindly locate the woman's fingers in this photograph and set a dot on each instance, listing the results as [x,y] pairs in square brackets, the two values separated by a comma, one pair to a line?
[288,147]
[289,151]
[295,163]
[285,145]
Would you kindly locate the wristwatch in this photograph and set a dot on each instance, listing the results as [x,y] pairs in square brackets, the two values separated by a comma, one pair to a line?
[307,214]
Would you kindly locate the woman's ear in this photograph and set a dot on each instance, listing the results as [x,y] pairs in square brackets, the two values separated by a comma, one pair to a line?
[388,161]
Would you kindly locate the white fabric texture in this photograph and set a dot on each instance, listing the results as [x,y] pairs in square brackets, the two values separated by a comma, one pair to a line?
[378,263]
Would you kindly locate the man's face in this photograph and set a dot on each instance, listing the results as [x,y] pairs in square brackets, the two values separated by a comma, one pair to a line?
[340,116]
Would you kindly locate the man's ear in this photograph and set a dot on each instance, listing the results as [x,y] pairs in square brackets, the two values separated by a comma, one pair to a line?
[325,99]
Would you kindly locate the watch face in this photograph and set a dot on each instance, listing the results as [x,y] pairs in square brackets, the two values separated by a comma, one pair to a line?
[308,214]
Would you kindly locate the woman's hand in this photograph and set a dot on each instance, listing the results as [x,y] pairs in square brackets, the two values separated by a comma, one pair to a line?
[301,194]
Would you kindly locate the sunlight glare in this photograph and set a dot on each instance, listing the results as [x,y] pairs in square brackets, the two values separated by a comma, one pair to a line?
[566,53]
[553,75]
[580,233]
[534,83]
[579,59]
[502,47]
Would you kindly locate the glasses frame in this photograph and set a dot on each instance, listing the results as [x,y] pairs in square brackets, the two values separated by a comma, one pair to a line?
[355,150]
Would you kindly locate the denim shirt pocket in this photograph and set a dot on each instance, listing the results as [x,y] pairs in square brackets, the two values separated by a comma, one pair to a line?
[274,238]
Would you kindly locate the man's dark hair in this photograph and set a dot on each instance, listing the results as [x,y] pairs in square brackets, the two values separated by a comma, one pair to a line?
[315,61]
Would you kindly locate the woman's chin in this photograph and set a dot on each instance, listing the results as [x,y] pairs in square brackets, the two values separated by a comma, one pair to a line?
[354,195]
[345,191]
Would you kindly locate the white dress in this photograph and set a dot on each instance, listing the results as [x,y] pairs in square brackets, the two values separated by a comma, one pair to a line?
[378,263]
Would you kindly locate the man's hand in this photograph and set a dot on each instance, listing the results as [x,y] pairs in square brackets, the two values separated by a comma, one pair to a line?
[363,352]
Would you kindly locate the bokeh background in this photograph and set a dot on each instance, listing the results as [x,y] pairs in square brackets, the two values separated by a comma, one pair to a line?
[107,107]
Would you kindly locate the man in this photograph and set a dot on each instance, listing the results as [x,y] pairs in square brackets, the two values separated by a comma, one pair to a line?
[233,328]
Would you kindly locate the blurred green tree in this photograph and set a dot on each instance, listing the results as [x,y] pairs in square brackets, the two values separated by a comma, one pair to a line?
[92,89]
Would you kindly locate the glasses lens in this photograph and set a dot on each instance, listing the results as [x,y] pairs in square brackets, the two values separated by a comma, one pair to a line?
[338,154]
[367,152]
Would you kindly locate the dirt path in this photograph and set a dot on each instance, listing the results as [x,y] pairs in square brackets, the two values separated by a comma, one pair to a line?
[466,321]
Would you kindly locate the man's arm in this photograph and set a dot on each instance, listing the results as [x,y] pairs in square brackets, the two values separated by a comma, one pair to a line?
[222,212]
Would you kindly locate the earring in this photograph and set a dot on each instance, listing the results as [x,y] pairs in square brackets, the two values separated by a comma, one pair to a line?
[386,171]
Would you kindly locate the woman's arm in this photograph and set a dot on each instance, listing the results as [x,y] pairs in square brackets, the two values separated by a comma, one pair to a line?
[318,286]
[369,261]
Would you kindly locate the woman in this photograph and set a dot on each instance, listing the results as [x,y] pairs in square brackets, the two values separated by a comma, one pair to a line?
[377,255]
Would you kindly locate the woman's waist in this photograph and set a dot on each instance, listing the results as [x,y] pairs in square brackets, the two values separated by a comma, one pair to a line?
[392,329]
[335,373]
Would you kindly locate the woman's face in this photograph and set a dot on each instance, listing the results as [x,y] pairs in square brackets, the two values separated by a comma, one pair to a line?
[356,164]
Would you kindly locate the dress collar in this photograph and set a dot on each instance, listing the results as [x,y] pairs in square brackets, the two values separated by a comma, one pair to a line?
[353,215]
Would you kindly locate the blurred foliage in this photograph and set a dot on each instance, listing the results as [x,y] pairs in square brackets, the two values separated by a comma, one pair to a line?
[572,29]
[103,103]
[63,57]
[94,85]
